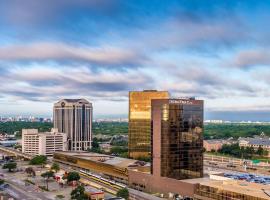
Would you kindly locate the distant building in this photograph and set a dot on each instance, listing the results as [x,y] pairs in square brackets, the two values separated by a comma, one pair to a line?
[256,142]
[215,144]
[46,143]
[74,117]
[139,130]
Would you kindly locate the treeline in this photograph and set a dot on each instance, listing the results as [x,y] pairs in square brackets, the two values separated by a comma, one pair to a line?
[105,128]
[242,152]
[11,127]
[110,128]
[223,131]
[211,131]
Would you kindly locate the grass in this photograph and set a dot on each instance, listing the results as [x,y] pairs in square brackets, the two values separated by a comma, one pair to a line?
[43,188]
[28,181]
[60,196]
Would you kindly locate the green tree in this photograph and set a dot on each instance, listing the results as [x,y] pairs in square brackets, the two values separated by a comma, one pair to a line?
[47,175]
[55,167]
[10,166]
[73,176]
[38,160]
[79,193]
[259,151]
[2,181]
[95,146]
[123,193]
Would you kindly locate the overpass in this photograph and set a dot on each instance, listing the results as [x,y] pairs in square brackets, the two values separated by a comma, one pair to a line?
[16,153]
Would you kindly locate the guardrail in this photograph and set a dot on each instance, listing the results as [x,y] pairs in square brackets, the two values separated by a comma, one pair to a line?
[15,152]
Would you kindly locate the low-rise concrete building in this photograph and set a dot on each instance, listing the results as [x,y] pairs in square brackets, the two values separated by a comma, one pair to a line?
[46,143]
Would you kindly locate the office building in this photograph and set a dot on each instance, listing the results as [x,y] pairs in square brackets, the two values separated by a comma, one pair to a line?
[74,117]
[139,130]
[46,143]
[177,148]
[177,138]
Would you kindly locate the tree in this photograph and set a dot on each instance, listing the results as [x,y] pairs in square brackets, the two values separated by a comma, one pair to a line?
[38,160]
[30,171]
[47,175]
[123,193]
[73,176]
[78,193]
[2,181]
[10,166]
[260,151]
[95,146]
[55,167]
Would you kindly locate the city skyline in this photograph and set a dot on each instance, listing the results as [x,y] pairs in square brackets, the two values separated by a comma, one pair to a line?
[101,50]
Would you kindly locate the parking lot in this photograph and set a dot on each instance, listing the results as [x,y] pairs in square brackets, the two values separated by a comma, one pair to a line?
[253,178]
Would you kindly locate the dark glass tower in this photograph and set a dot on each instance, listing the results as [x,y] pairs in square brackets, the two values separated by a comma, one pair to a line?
[177,138]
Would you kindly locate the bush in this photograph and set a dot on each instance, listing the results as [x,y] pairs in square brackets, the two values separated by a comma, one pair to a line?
[123,193]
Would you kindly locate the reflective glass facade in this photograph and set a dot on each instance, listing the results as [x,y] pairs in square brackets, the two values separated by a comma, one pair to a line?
[140,121]
[181,138]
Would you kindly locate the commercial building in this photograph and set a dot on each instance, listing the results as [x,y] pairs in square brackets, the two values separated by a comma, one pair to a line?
[177,138]
[232,190]
[46,143]
[216,144]
[108,166]
[139,130]
[74,117]
[256,142]
[177,148]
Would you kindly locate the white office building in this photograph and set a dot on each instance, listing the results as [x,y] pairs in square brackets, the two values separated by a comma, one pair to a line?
[46,143]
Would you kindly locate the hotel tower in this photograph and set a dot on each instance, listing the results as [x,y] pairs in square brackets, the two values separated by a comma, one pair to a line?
[74,117]
[139,130]
[177,138]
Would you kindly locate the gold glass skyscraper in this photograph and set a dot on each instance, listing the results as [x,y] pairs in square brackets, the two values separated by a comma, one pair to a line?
[139,130]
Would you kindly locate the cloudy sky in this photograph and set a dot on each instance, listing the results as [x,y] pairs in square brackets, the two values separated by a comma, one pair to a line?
[218,51]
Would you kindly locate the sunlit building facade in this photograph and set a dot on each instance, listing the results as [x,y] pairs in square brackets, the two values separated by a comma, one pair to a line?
[139,130]
[177,138]
[74,117]
[45,143]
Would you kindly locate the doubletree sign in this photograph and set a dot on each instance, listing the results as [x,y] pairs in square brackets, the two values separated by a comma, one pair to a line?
[180,101]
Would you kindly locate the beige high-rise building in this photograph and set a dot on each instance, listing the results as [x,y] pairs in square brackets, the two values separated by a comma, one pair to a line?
[46,143]
[139,130]
[74,117]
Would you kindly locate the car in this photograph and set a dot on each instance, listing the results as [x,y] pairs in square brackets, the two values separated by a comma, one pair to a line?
[4,186]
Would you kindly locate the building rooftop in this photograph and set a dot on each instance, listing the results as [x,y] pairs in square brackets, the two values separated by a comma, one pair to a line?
[107,159]
[257,140]
[72,100]
[243,187]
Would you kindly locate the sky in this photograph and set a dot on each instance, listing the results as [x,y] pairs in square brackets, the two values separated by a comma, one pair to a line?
[218,51]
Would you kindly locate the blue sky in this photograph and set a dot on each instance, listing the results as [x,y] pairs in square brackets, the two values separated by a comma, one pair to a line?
[218,51]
